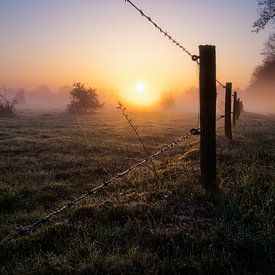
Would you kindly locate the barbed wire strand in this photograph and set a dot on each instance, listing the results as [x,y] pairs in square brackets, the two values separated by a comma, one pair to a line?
[134,128]
[170,37]
[165,33]
[21,231]
[220,83]
[219,118]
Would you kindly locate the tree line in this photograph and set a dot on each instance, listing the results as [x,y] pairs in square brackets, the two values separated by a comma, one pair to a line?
[84,100]
[266,71]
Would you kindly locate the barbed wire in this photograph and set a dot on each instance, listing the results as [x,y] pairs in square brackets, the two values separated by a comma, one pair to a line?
[134,128]
[219,118]
[170,37]
[220,83]
[165,33]
[22,231]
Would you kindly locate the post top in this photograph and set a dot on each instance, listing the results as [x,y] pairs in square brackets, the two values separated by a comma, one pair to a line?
[206,46]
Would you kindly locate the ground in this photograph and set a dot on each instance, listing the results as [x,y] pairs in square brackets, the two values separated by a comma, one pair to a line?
[142,223]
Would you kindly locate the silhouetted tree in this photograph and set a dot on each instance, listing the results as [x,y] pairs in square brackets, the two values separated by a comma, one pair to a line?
[269,49]
[266,14]
[83,99]
[167,101]
[266,71]
[43,90]
[261,91]
[20,97]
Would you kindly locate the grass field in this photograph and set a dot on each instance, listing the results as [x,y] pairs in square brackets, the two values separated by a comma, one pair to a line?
[140,224]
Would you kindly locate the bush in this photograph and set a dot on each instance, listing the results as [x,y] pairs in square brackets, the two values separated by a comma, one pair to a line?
[83,100]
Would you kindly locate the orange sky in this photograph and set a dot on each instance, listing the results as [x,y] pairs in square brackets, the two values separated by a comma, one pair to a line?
[106,44]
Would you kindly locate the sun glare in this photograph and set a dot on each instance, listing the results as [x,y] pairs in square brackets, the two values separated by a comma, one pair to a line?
[141,95]
[140,88]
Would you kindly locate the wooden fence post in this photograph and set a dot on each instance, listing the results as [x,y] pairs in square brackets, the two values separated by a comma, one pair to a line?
[234,108]
[227,113]
[208,116]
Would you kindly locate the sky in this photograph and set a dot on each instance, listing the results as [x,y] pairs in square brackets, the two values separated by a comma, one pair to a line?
[106,44]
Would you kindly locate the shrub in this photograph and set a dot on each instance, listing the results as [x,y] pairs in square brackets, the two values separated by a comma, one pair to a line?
[83,100]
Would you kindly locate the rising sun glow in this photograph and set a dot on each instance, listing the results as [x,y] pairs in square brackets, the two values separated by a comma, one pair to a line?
[140,88]
[141,95]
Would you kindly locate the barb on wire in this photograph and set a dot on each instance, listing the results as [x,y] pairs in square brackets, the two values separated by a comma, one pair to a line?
[220,83]
[195,131]
[22,231]
[165,33]
[220,118]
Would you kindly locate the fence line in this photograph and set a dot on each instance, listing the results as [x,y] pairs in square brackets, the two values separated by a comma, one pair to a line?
[195,131]
[21,231]
[174,41]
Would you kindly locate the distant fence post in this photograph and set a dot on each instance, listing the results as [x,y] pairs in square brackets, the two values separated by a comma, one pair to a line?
[227,113]
[208,116]
[234,108]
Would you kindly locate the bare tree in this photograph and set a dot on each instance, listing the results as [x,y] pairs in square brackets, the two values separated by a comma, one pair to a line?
[266,14]
[266,71]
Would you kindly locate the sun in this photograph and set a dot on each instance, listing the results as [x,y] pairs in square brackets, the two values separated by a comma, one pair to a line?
[141,94]
[140,88]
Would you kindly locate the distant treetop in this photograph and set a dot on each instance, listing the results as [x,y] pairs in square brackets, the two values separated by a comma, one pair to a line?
[266,14]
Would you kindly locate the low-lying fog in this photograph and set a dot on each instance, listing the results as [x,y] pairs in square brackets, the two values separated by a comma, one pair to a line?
[258,99]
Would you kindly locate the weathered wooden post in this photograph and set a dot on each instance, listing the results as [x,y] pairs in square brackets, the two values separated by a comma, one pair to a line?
[227,112]
[234,108]
[208,116]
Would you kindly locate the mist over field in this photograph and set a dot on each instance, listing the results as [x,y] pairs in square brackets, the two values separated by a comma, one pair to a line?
[258,99]
[44,98]
[123,149]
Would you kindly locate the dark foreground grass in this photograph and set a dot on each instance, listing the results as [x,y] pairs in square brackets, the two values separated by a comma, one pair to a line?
[138,225]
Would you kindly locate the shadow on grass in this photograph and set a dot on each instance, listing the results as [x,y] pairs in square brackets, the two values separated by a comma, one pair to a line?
[112,238]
